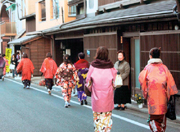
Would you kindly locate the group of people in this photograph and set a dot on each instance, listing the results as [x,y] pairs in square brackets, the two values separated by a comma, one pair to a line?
[156,82]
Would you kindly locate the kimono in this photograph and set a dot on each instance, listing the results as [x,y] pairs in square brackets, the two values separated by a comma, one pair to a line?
[157,85]
[26,67]
[66,76]
[82,73]
[82,66]
[7,64]
[49,68]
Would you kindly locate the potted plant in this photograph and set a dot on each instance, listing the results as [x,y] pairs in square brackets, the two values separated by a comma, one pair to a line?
[139,100]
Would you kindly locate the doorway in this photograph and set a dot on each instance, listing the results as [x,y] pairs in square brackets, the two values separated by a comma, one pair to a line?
[69,46]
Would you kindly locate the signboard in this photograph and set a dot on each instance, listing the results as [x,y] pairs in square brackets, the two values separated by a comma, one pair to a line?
[8,57]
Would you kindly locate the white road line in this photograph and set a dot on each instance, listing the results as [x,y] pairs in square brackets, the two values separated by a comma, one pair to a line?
[114,115]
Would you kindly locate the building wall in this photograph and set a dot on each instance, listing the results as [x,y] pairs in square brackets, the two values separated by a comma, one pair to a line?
[20,24]
[37,52]
[92,6]
[50,22]
[67,18]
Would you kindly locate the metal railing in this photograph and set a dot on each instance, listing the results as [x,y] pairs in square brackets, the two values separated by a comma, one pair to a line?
[8,28]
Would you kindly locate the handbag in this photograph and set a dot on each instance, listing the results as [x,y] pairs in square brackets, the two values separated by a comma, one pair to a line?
[12,66]
[118,81]
[171,113]
[87,87]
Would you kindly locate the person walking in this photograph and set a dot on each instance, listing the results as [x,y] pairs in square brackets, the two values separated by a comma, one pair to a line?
[7,64]
[26,67]
[2,65]
[13,65]
[49,68]
[123,93]
[102,74]
[157,85]
[82,67]
[66,76]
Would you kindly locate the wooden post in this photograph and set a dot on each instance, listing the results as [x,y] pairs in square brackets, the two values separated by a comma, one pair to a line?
[178,5]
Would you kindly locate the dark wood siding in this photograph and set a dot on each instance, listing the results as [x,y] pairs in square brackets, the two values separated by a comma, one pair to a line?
[170,53]
[30,24]
[38,50]
[104,2]
[93,42]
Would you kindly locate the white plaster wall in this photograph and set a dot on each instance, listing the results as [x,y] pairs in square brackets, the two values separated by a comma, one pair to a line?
[94,9]
[20,25]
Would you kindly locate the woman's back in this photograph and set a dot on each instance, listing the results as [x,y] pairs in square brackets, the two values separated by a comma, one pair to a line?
[102,95]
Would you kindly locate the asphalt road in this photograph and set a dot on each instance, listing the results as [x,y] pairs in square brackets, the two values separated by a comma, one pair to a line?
[33,110]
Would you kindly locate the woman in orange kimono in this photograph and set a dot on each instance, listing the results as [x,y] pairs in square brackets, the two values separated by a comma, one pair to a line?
[49,68]
[26,67]
[158,85]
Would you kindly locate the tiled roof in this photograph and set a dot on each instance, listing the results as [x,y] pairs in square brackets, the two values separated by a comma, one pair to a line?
[22,40]
[159,9]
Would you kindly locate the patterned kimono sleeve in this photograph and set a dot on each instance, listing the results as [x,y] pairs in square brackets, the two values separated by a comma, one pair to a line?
[75,74]
[171,86]
[143,82]
[58,75]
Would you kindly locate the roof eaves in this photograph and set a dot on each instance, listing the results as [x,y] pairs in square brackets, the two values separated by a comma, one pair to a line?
[28,16]
[110,21]
[22,40]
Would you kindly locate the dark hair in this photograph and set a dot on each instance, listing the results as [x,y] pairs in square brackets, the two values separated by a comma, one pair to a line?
[49,55]
[14,55]
[17,53]
[121,51]
[66,59]
[81,55]
[155,52]
[3,55]
[102,53]
[24,55]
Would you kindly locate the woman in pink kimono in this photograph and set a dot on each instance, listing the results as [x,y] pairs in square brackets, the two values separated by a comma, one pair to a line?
[158,85]
[102,74]
[7,64]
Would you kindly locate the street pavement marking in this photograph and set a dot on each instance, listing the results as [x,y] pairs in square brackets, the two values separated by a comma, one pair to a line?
[114,115]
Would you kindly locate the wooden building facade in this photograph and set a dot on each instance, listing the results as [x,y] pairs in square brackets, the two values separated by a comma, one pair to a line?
[36,48]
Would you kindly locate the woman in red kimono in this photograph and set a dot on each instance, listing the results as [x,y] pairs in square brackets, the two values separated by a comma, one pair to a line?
[26,67]
[158,85]
[49,68]
[66,78]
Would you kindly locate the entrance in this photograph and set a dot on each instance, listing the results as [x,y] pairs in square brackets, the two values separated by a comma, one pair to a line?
[71,47]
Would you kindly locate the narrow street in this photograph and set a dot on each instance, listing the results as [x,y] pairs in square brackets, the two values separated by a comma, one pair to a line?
[33,110]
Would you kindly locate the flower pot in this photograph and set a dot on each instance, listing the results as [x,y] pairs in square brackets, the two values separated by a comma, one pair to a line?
[140,105]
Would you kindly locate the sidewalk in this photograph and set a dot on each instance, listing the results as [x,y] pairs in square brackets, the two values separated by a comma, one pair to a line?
[132,106]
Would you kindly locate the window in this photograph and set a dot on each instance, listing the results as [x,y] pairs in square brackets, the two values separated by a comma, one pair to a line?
[43,11]
[55,4]
[72,10]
